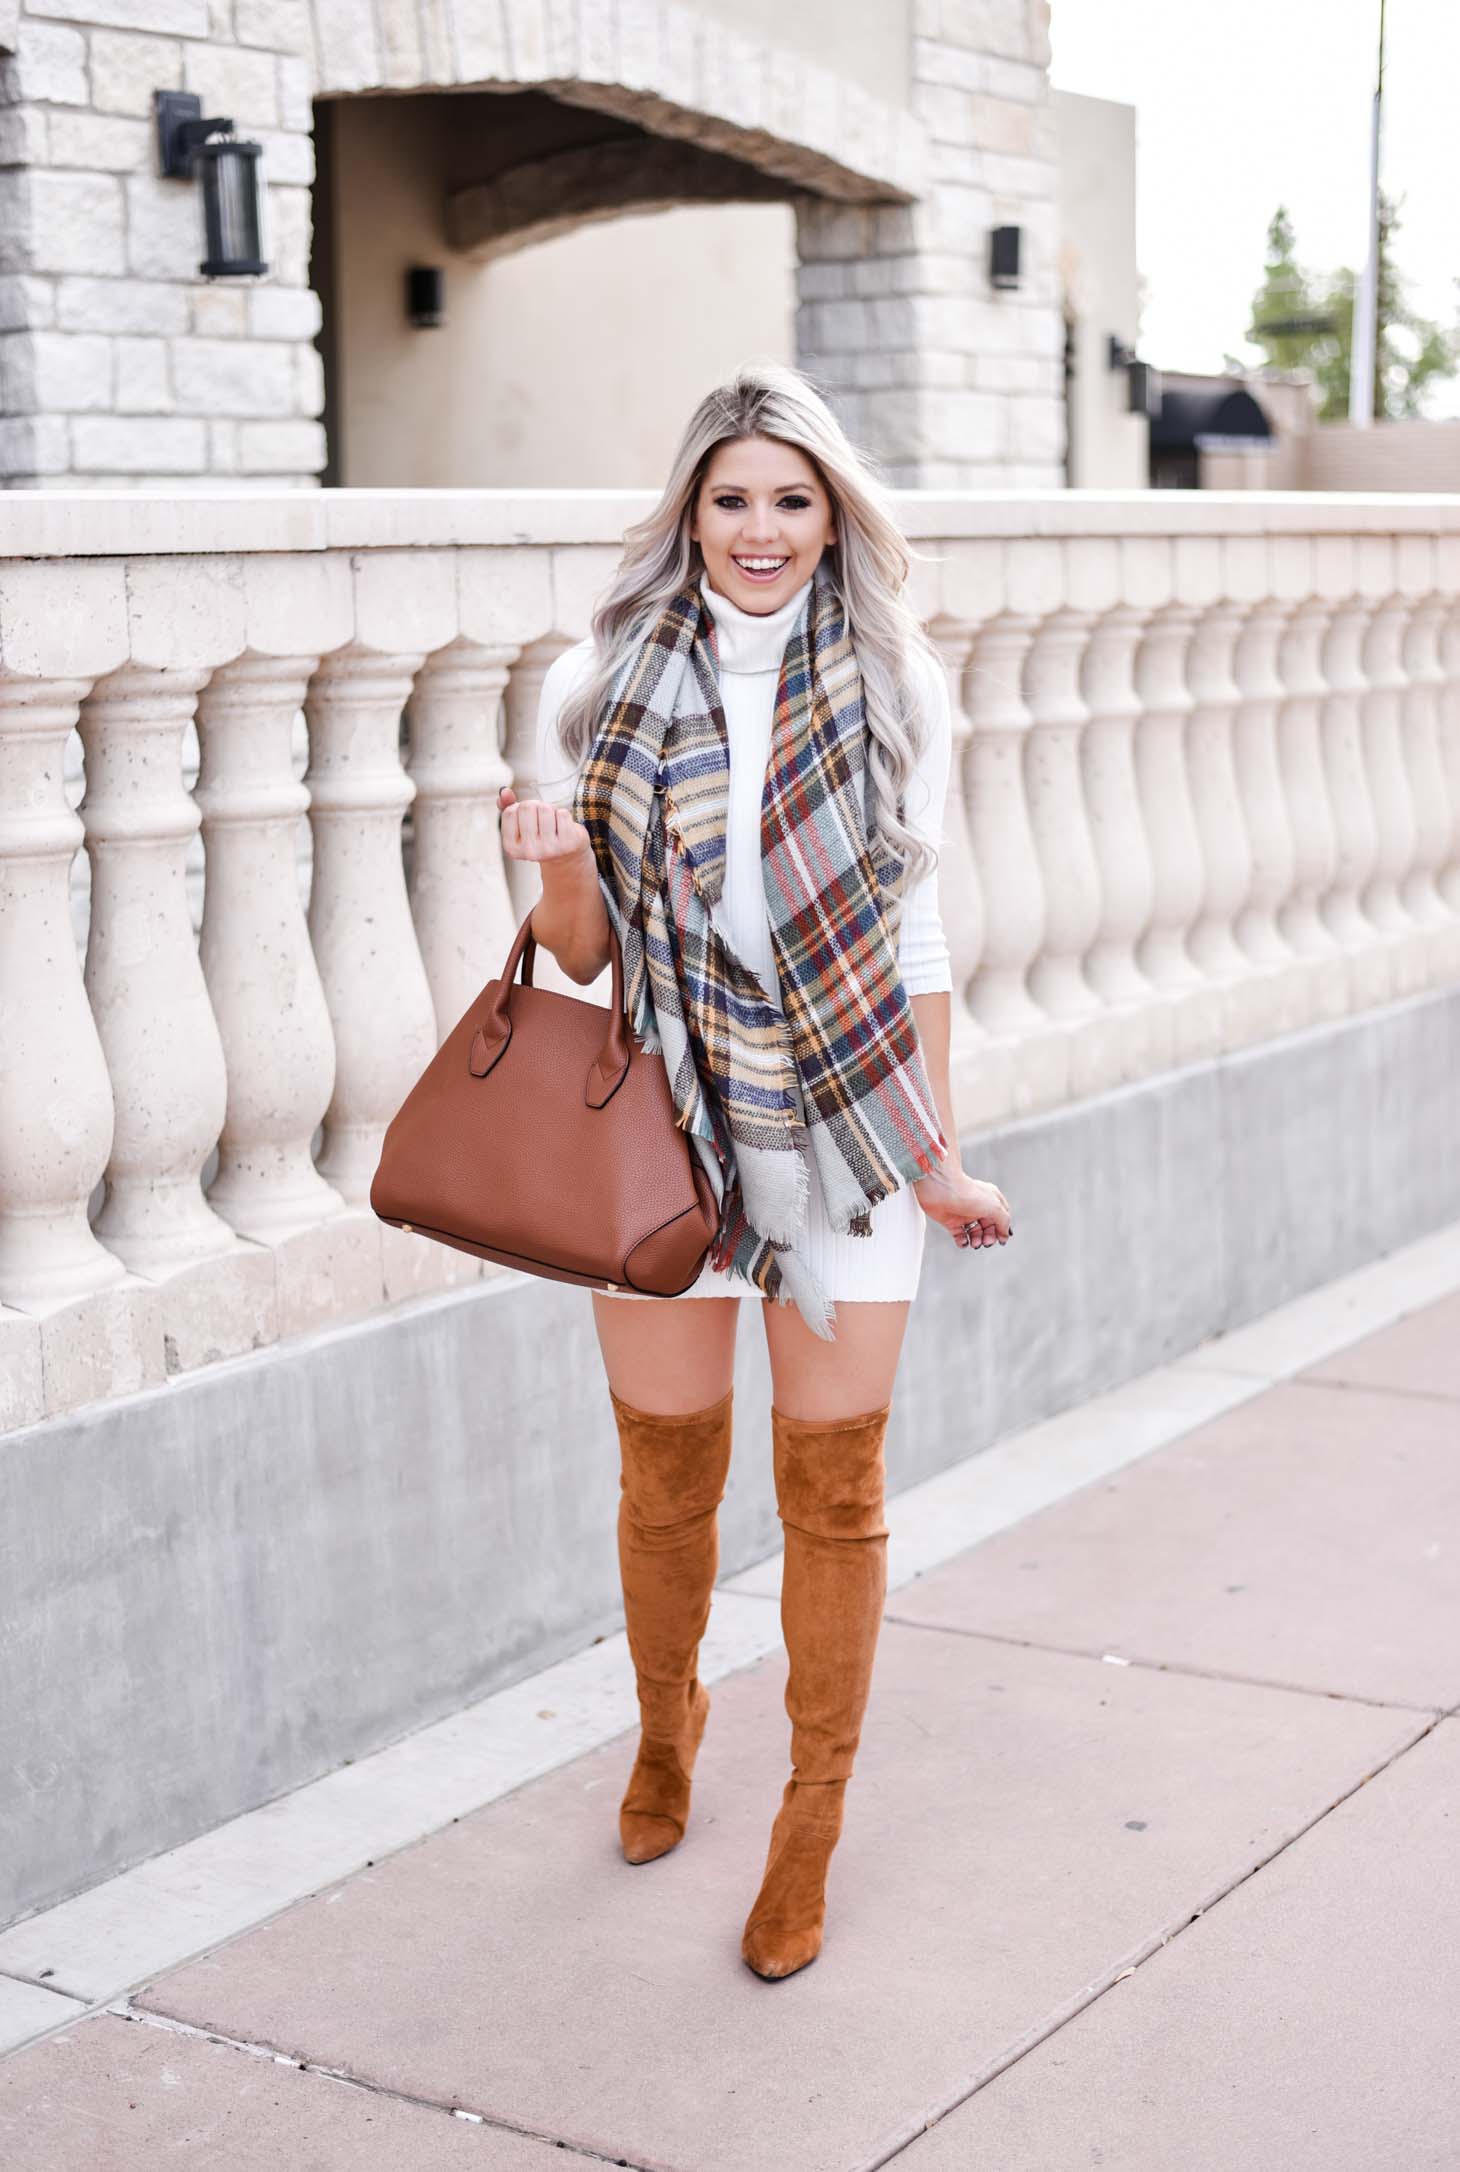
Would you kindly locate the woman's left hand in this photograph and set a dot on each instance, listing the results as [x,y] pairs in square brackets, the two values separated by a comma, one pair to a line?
[952,1197]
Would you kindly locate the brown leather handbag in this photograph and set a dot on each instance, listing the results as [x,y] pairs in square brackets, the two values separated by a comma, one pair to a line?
[542,1135]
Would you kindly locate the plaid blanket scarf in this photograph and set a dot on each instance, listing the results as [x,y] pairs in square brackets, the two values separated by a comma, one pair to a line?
[837,1075]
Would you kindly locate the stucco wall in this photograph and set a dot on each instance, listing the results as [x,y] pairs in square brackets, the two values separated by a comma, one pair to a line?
[1096,164]
[552,369]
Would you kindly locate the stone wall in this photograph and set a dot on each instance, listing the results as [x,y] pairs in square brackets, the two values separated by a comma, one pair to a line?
[954,382]
[120,365]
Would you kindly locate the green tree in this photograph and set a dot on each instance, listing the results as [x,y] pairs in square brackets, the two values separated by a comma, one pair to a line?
[1285,305]
[1303,320]
[1414,351]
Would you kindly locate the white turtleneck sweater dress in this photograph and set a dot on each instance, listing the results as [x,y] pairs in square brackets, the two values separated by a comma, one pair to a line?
[887,1264]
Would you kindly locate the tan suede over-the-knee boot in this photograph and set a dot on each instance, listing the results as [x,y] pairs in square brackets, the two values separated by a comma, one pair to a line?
[672,1480]
[830,1487]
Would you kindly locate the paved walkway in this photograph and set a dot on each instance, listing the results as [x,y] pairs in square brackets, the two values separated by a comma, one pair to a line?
[1152,1861]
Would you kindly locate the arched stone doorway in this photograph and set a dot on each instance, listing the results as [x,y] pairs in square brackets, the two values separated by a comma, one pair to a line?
[596,280]
[593,163]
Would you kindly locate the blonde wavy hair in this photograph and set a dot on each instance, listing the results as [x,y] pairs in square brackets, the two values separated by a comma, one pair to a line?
[868,564]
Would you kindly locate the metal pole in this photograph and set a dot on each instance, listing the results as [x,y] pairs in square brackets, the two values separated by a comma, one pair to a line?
[1364,346]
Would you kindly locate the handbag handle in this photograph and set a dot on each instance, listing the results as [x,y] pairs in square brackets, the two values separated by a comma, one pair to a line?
[610,1066]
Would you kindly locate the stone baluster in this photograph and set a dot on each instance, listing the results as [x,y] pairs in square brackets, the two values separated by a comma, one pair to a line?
[1448,718]
[1424,761]
[360,925]
[463,914]
[1126,877]
[978,1062]
[1189,1022]
[260,969]
[1279,982]
[405,608]
[1310,817]
[143,975]
[218,1297]
[508,601]
[75,1325]
[1355,831]
[1000,833]
[1217,802]
[1381,723]
[55,1098]
[1007,861]
[1055,790]
[522,879]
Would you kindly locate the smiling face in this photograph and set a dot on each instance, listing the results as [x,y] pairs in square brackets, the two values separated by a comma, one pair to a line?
[762,518]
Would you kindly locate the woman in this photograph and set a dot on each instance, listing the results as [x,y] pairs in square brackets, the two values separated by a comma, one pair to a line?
[743,770]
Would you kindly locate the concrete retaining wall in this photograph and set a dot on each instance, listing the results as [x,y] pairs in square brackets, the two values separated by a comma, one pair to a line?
[219,1589]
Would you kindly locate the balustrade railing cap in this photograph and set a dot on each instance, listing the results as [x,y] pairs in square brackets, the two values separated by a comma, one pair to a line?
[113,523]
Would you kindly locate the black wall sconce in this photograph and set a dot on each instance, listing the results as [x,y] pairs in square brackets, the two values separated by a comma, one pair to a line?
[232,187]
[1142,383]
[426,294]
[1004,256]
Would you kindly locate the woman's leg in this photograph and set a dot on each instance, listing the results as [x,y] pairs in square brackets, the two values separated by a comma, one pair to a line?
[670,1367]
[668,1353]
[811,1378]
[829,1411]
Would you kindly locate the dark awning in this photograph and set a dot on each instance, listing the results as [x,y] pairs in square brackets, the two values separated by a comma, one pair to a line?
[1221,421]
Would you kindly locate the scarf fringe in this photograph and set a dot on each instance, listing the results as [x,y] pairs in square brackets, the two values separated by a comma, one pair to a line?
[799,1287]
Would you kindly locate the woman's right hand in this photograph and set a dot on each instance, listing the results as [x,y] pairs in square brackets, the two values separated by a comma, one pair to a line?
[533,829]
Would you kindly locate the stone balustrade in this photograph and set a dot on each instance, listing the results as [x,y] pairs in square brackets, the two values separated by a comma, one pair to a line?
[1206,791]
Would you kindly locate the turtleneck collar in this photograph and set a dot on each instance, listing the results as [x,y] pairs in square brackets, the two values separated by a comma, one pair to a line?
[751,640]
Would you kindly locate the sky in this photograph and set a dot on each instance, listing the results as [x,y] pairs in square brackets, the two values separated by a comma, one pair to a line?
[1259,102]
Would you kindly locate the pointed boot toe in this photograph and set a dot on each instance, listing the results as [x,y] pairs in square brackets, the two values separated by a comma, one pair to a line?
[786,1924]
[645,1837]
[777,1956]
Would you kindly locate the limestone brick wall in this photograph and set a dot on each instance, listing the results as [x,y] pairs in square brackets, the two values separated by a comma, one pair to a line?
[1386,456]
[119,363]
[956,383]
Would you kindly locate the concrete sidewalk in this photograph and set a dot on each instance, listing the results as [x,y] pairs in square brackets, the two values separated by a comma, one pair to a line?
[1152,1861]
